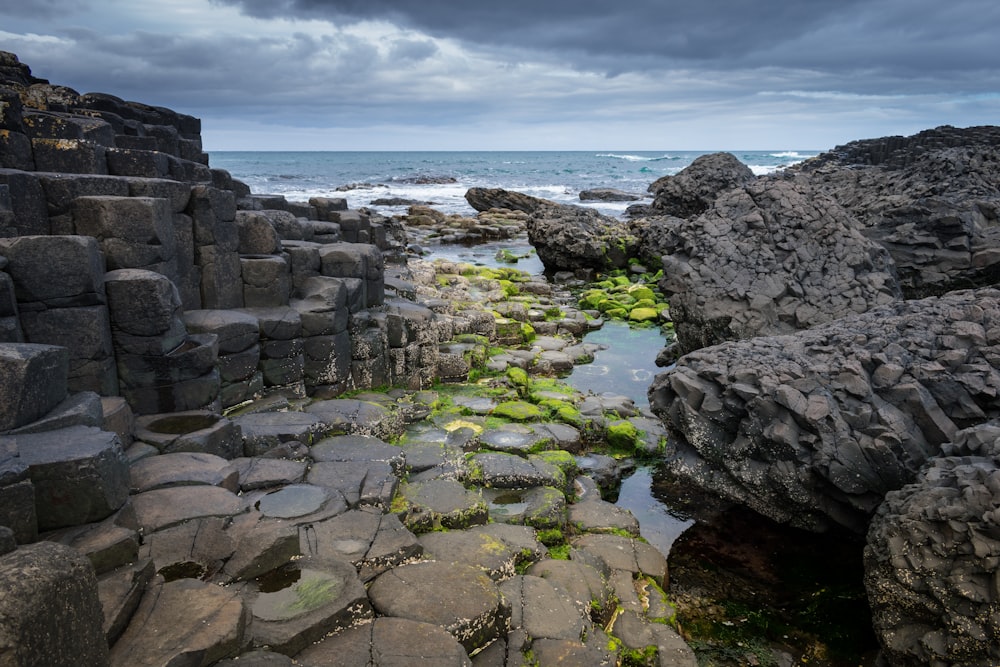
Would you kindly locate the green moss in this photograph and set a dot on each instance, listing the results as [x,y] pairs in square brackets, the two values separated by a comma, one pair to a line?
[518,377]
[551,537]
[559,552]
[564,460]
[527,332]
[622,435]
[518,411]
[617,313]
[640,292]
[643,315]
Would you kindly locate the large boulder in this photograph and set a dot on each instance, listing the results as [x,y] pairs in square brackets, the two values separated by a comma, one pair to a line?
[769,258]
[932,199]
[931,566]
[695,188]
[815,428]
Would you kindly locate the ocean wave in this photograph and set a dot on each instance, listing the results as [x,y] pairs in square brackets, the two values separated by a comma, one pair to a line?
[791,154]
[637,158]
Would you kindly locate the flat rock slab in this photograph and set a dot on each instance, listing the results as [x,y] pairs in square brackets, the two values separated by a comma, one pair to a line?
[183,622]
[563,436]
[490,550]
[584,584]
[368,483]
[263,473]
[387,642]
[372,541]
[359,448]
[293,501]
[635,632]
[570,653]
[512,439]
[440,503]
[258,658]
[622,553]
[263,431]
[506,471]
[599,516]
[193,549]
[106,544]
[183,469]
[459,598]
[348,415]
[540,506]
[542,610]
[80,474]
[260,545]
[298,604]
[421,456]
[156,510]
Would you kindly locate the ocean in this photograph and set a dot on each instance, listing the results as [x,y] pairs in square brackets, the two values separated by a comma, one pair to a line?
[443,177]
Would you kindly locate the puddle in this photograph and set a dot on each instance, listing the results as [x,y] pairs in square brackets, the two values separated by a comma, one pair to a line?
[657,523]
[311,590]
[627,365]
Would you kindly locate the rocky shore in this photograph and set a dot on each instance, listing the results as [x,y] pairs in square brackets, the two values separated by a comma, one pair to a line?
[236,429]
[242,430]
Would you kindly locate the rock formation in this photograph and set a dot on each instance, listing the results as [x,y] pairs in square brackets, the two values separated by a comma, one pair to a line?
[768,258]
[695,188]
[813,429]
[931,558]
[567,238]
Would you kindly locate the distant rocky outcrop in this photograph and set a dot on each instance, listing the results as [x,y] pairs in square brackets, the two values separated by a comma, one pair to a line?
[813,429]
[693,190]
[567,238]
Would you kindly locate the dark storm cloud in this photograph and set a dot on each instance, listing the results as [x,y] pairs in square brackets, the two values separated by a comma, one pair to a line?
[904,38]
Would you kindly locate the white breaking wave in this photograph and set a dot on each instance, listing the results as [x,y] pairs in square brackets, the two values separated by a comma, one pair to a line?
[636,158]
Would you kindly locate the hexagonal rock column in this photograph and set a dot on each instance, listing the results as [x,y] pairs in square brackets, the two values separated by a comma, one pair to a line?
[49,610]
[239,351]
[161,368]
[298,604]
[281,355]
[134,232]
[80,474]
[67,307]
[461,599]
[32,382]
[191,431]
[387,641]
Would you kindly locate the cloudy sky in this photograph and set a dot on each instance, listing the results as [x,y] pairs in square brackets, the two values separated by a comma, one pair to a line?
[527,74]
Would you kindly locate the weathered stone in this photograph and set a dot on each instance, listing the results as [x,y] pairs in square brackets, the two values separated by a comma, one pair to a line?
[142,303]
[120,592]
[80,474]
[49,608]
[388,641]
[73,266]
[107,545]
[507,471]
[263,431]
[260,545]
[490,548]
[32,382]
[267,282]
[598,516]
[183,469]
[637,633]
[359,448]
[371,540]
[163,508]
[695,188]
[191,431]
[134,232]
[441,503]
[86,333]
[461,599]
[543,611]
[236,331]
[257,236]
[623,553]
[353,416]
[359,482]
[586,586]
[263,473]
[197,624]
[307,600]
[539,506]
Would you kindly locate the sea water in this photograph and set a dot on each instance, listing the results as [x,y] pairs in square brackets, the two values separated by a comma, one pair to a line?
[443,177]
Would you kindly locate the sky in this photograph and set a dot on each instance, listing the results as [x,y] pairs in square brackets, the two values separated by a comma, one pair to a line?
[527,74]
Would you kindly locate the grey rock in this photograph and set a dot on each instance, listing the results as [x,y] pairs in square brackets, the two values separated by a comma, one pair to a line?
[73,266]
[321,596]
[32,382]
[860,404]
[607,194]
[770,258]
[361,483]
[930,569]
[183,469]
[263,473]
[198,624]
[120,592]
[191,431]
[107,545]
[482,547]
[586,586]
[371,540]
[236,331]
[387,641]
[506,471]
[257,236]
[441,503]
[49,608]
[695,188]
[80,474]
[543,611]
[459,598]
[163,508]
[622,553]
[263,431]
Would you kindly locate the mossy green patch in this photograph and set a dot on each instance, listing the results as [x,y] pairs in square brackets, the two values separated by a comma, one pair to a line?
[622,435]
[564,460]
[643,315]
[518,411]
